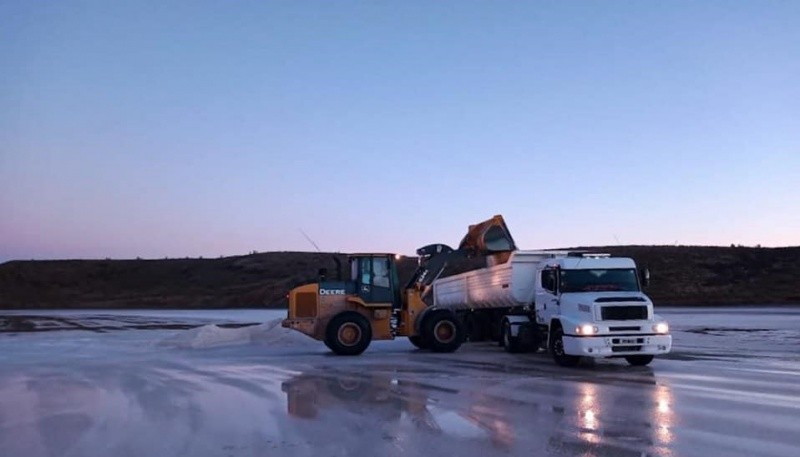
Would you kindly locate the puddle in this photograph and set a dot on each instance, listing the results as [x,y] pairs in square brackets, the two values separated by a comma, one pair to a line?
[727,331]
[100,323]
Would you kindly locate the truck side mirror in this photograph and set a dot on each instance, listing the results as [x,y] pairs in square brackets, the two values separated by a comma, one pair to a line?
[644,274]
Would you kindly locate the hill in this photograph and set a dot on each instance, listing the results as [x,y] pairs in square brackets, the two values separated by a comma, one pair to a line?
[681,275]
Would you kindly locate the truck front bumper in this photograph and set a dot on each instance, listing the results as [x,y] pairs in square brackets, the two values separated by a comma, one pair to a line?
[617,346]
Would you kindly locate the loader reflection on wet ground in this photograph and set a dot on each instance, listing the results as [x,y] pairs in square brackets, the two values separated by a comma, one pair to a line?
[390,399]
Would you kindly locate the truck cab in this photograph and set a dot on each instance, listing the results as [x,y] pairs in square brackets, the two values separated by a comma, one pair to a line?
[593,305]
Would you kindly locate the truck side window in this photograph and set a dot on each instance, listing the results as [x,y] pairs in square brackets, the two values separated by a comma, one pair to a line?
[549,280]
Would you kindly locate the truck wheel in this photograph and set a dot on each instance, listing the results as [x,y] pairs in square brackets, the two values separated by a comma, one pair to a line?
[510,343]
[557,350]
[530,338]
[348,333]
[418,341]
[639,360]
[443,332]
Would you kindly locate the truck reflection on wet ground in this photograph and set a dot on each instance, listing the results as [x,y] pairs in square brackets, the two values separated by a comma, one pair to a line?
[586,417]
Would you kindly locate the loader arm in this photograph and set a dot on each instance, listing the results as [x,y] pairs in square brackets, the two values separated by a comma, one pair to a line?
[488,237]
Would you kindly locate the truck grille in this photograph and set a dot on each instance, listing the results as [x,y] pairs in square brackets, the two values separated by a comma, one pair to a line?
[625,329]
[626,348]
[623,313]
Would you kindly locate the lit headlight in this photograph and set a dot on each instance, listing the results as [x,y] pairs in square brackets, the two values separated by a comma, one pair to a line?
[586,329]
[661,327]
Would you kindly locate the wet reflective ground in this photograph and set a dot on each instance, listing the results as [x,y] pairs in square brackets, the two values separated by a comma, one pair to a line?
[730,388]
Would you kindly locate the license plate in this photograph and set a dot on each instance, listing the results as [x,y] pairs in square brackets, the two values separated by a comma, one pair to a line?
[627,341]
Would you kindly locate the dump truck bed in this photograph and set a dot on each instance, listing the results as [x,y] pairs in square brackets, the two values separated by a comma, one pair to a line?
[500,286]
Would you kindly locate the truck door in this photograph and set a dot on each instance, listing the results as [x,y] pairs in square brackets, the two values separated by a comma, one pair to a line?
[547,303]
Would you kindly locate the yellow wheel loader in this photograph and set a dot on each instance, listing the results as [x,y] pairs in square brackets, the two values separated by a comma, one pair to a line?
[372,305]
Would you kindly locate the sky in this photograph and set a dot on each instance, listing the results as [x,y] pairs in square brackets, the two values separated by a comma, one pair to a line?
[198,128]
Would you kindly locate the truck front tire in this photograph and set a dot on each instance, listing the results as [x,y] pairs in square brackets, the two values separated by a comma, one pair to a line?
[557,349]
[348,333]
[442,332]
[639,360]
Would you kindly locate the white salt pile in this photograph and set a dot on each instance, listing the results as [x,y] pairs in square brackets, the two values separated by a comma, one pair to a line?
[209,336]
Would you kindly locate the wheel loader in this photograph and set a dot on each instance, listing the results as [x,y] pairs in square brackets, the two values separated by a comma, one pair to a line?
[372,305]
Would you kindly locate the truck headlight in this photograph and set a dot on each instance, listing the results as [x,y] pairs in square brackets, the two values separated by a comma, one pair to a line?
[586,329]
[661,327]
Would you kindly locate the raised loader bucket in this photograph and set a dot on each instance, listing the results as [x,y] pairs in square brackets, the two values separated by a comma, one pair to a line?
[488,237]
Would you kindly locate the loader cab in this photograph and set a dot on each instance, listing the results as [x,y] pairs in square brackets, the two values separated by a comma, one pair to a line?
[375,278]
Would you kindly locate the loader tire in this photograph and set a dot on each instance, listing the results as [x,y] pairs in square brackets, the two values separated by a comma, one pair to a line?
[443,332]
[418,341]
[348,333]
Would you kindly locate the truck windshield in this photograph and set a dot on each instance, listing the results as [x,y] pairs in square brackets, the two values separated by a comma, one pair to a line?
[601,280]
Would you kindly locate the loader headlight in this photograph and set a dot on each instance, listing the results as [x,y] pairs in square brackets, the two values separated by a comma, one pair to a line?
[586,329]
[661,327]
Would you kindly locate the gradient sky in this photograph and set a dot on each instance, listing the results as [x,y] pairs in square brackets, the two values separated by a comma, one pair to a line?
[194,128]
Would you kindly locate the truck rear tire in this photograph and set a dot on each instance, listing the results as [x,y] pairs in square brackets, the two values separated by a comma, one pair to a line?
[443,332]
[557,350]
[348,333]
[511,343]
[639,360]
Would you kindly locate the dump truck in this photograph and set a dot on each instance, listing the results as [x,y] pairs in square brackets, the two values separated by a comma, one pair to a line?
[572,304]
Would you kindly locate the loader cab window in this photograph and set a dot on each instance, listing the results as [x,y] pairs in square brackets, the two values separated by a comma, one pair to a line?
[380,272]
[549,280]
[365,269]
[376,279]
[372,271]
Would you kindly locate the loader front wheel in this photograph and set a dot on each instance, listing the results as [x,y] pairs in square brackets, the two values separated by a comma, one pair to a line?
[443,332]
[418,341]
[348,333]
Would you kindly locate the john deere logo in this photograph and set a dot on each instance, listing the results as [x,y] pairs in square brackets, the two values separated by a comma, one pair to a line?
[331,291]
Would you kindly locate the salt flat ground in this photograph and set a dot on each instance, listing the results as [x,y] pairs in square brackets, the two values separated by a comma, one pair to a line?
[171,383]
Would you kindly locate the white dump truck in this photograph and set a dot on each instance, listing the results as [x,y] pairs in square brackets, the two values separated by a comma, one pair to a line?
[575,304]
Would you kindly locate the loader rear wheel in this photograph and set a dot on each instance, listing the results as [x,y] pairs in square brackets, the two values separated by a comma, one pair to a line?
[348,333]
[557,350]
[418,341]
[443,332]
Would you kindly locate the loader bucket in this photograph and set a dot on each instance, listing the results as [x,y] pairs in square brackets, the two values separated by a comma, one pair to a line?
[489,236]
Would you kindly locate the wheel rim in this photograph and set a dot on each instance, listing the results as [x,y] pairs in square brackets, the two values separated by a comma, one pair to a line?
[558,346]
[349,334]
[444,331]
